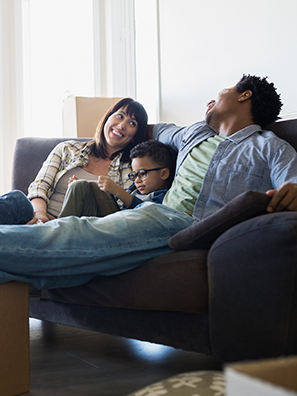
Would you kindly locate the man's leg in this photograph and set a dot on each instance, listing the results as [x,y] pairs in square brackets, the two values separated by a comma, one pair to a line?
[85,198]
[15,208]
[71,251]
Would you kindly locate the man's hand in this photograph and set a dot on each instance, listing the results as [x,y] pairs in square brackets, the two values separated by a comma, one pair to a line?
[284,198]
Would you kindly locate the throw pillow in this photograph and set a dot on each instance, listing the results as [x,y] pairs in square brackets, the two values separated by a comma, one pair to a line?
[202,234]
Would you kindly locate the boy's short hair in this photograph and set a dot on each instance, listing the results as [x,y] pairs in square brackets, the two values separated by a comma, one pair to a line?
[162,154]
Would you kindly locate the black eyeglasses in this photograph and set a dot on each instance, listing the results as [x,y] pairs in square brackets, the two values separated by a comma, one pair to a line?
[142,173]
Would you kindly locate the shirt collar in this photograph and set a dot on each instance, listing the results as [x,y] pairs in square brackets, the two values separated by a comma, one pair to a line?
[244,133]
[88,147]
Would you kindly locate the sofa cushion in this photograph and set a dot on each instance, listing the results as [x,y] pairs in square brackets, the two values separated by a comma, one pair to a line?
[175,281]
[201,235]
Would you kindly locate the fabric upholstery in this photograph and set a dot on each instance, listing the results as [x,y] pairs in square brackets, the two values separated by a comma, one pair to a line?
[202,235]
[285,129]
[25,168]
[254,267]
[172,282]
[188,331]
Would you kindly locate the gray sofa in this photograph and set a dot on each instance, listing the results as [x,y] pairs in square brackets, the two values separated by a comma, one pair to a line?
[234,298]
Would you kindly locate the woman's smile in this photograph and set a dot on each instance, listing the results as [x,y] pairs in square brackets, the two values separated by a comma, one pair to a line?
[120,129]
[117,132]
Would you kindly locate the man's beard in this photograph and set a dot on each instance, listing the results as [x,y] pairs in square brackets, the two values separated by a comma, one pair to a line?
[212,120]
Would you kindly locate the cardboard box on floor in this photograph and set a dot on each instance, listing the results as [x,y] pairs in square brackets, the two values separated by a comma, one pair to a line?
[81,115]
[269,377]
[14,339]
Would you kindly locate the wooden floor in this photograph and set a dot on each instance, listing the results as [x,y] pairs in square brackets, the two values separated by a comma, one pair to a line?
[67,361]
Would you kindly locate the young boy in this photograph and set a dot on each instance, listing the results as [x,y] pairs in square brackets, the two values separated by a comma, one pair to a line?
[153,166]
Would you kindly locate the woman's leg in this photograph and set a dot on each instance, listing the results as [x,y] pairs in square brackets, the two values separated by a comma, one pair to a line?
[85,198]
[15,208]
[71,251]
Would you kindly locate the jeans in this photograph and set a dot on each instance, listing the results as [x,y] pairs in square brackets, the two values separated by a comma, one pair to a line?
[15,208]
[71,251]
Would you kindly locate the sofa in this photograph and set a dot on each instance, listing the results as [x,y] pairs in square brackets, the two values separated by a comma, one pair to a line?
[234,297]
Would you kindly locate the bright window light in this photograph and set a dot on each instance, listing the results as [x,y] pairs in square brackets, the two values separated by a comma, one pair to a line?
[147,63]
[60,61]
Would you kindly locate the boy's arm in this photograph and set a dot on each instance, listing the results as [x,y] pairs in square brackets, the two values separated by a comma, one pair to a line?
[107,185]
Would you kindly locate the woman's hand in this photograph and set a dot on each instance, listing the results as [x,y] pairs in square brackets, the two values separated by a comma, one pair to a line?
[40,212]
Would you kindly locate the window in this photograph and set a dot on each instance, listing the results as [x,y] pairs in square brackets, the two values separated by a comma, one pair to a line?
[59,61]
[147,57]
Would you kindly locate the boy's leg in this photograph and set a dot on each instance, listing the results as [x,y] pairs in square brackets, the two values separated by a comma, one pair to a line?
[79,200]
[71,251]
[105,202]
[84,198]
[15,208]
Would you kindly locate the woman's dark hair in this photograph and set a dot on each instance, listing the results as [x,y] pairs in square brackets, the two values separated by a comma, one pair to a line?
[133,109]
[266,103]
[160,153]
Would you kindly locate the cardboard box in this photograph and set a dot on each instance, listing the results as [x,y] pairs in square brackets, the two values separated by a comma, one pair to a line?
[14,339]
[81,115]
[269,377]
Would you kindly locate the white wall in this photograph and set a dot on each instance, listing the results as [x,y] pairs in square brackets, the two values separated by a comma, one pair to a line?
[206,46]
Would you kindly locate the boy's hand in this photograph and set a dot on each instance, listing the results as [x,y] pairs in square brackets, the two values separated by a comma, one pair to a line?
[107,185]
[284,198]
[72,178]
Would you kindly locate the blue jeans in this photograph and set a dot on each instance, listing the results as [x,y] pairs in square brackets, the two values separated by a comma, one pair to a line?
[15,208]
[71,251]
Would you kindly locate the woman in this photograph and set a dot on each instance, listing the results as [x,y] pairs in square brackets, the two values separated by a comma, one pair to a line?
[123,126]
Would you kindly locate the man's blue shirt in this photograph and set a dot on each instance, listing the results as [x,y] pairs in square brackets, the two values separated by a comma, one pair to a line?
[250,159]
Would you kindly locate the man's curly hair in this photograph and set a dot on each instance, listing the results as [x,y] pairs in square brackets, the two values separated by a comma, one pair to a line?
[266,102]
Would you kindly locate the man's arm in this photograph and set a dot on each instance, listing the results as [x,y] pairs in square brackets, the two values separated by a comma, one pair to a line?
[284,198]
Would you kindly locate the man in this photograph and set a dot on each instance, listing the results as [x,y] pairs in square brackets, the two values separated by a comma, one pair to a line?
[246,157]
[217,160]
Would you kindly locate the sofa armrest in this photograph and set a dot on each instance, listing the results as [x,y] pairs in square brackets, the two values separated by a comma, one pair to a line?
[253,289]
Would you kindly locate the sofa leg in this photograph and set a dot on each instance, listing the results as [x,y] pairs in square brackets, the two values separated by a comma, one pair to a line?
[14,339]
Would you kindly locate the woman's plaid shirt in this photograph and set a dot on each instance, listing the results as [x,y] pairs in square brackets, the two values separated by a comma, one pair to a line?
[66,156]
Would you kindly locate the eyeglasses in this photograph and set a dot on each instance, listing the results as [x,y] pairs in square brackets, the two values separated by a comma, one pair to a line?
[142,173]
